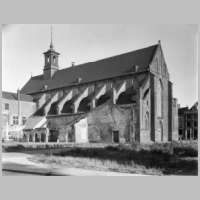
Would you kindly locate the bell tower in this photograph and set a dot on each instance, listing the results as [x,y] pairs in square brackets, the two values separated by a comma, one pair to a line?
[50,61]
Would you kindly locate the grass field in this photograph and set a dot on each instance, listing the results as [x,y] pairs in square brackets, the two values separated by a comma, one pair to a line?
[175,158]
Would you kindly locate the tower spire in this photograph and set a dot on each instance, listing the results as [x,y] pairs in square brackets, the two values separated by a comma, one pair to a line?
[51,45]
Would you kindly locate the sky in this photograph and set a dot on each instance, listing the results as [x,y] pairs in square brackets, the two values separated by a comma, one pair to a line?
[23,46]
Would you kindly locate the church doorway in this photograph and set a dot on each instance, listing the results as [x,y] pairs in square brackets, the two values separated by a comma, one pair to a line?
[53,136]
[116,136]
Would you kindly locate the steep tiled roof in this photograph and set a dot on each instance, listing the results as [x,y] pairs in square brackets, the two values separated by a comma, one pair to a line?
[106,68]
[13,96]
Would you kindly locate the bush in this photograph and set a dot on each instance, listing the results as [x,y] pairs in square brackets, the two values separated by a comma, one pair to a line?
[112,148]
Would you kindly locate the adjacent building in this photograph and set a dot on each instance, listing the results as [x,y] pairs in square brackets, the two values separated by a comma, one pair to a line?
[16,108]
[188,122]
[124,98]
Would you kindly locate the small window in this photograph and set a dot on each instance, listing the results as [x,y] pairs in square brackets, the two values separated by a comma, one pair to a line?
[6,106]
[23,120]
[195,124]
[54,59]
[15,120]
[188,124]
[47,58]
[188,116]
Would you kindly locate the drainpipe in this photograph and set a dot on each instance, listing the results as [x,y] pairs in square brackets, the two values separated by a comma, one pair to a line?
[18,98]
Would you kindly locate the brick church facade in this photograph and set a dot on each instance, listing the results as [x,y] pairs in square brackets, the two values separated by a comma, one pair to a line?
[124,98]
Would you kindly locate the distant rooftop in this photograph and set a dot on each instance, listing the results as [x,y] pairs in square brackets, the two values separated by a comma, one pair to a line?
[13,96]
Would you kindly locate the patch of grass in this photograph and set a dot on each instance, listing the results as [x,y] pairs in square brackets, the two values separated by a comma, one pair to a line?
[156,158]
[95,164]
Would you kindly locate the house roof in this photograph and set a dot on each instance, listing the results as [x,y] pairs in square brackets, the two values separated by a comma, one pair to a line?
[182,110]
[194,107]
[13,96]
[92,71]
[34,122]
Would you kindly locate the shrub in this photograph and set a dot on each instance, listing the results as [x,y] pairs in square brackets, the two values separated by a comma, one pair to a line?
[112,148]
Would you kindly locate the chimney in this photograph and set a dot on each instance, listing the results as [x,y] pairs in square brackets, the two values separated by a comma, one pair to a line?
[79,80]
[19,108]
[73,64]
[44,87]
[135,68]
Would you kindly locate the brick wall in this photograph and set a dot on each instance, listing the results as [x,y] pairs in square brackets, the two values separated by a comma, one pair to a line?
[108,118]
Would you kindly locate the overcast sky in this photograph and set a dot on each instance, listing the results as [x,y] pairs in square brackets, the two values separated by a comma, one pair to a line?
[23,47]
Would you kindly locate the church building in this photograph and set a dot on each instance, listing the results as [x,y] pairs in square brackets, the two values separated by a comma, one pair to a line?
[122,99]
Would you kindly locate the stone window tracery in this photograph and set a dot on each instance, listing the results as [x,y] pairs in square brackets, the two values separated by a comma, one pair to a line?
[159,99]
[147,120]
[156,64]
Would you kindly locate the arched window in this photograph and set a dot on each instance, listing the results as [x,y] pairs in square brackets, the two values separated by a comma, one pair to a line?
[156,65]
[159,99]
[47,58]
[147,120]
[54,59]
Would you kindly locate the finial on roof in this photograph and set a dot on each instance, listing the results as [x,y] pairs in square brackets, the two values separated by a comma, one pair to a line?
[51,45]
[159,41]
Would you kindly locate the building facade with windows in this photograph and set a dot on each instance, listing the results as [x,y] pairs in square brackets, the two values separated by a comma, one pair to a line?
[124,98]
[16,108]
[188,122]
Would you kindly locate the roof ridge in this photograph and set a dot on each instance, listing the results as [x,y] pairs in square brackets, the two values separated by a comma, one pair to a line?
[104,58]
[110,67]
[111,57]
[126,53]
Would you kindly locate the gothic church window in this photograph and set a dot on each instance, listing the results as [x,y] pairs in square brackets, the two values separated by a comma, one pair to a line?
[147,120]
[159,99]
[156,65]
